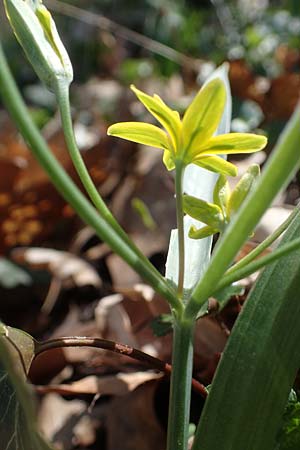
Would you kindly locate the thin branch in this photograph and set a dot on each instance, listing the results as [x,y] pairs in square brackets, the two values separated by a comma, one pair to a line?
[99,21]
[121,349]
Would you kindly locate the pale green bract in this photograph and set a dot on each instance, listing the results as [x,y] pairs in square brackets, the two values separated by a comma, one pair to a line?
[217,215]
[35,30]
[190,140]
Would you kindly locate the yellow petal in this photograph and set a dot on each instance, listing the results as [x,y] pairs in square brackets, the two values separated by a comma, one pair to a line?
[168,160]
[216,164]
[234,143]
[202,117]
[142,133]
[168,118]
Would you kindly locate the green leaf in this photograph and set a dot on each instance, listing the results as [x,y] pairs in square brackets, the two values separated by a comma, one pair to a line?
[242,189]
[18,430]
[288,437]
[21,346]
[260,363]
[203,211]
[202,117]
[224,295]
[141,133]
[162,325]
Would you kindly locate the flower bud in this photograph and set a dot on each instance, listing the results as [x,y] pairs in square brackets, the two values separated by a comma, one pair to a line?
[36,32]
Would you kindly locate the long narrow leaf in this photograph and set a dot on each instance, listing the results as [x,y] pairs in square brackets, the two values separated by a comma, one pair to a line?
[259,365]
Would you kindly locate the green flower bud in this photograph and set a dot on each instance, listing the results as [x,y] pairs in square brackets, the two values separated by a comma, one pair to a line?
[36,32]
[242,189]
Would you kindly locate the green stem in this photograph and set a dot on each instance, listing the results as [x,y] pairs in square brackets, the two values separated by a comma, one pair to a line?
[180,225]
[263,245]
[254,266]
[279,169]
[62,95]
[16,107]
[180,391]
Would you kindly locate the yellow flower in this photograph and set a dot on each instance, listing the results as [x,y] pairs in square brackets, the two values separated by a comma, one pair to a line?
[190,140]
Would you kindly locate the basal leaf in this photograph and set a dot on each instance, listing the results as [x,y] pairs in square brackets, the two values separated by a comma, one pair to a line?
[258,368]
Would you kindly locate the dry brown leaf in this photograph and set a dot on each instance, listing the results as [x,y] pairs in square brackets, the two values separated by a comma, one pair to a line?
[119,384]
[65,266]
[132,422]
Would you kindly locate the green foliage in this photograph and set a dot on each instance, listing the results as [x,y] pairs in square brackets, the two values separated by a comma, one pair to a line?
[288,437]
[18,430]
[259,364]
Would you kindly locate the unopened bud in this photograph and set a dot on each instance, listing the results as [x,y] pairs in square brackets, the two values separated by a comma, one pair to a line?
[36,32]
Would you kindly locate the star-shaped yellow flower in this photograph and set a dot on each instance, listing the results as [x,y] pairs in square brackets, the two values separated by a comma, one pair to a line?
[190,140]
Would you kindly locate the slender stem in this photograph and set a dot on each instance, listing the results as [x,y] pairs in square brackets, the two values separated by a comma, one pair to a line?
[263,245]
[16,107]
[62,94]
[253,266]
[180,391]
[180,225]
[122,349]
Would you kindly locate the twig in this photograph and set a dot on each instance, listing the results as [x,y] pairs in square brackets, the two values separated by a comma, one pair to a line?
[122,349]
[99,21]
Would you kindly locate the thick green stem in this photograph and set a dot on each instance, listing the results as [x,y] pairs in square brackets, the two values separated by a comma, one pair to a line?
[62,94]
[15,105]
[180,225]
[180,391]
